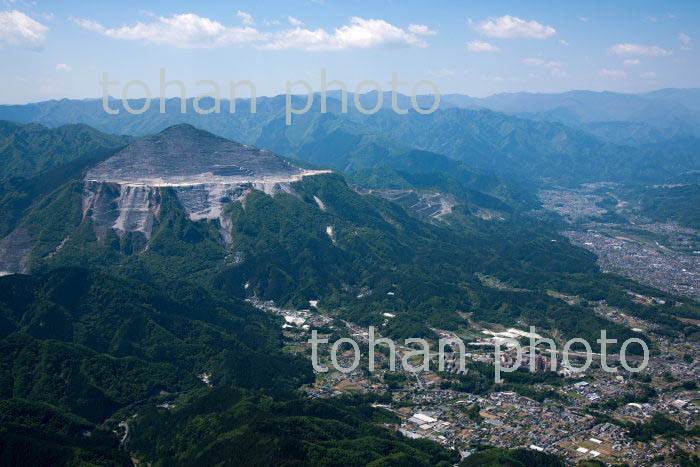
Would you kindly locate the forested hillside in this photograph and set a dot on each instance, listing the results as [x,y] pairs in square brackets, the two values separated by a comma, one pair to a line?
[231,427]
[78,347]
[27,150]
[35,160]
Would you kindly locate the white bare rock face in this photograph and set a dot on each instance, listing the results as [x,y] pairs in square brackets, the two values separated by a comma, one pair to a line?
[14,252]
[204,170]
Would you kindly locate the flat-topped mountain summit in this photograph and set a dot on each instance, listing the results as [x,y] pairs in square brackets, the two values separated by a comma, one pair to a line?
[185,155]
[204,170]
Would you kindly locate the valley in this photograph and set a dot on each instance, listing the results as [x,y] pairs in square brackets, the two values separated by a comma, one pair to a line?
[662,255]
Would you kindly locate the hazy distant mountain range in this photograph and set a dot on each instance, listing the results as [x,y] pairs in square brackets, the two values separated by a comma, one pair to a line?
[618,117]
[573,137]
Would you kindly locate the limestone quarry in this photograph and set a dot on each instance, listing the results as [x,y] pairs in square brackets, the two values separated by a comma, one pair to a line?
[204,171]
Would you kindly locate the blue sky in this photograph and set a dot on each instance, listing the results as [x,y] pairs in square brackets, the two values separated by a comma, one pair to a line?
[57,49]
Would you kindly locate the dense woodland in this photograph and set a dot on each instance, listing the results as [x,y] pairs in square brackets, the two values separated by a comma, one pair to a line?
[104,327]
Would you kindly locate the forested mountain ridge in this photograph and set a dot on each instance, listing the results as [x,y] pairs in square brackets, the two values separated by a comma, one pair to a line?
[35,160]
[232,427]
[537,151]
[27,150]
[162,337]
[532,150]
[314,239]
[621,118]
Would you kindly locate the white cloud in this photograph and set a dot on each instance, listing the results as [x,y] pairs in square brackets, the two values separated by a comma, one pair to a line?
[648,75]
[510,27]
[360,33]
[631,61]
[553,66]
[563,42]
[544,63]
[672,16]
[559,73]
[88,24]
[185,31]
[19,30]
[273,22]
[421,30]
[612,74]
[189,31]
[246,18]
[300,38]
[441,73]
[583,19]
[63,67]
[294,22]
[481,46]
[686,40]
[651,19]
[636,49]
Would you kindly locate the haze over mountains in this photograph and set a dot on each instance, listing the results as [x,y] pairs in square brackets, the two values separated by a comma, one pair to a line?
[567,138]
[656,115]
[622,118]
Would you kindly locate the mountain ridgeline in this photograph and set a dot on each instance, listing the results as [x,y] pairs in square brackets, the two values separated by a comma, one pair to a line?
[264,227]
[544,149]
[28,150]
[621,118]
[126,264]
